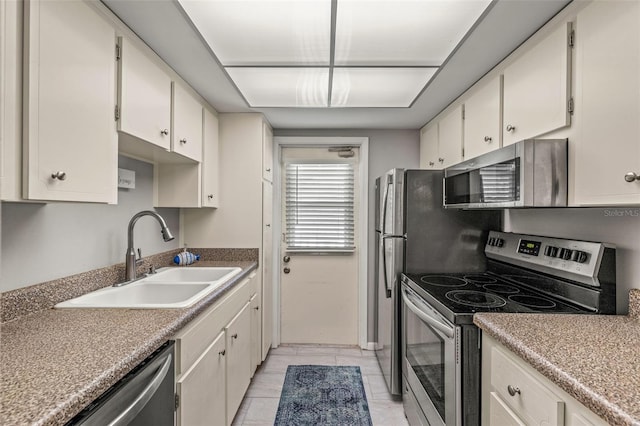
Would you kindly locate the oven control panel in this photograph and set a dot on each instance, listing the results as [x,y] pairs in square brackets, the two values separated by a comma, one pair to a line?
[572,259]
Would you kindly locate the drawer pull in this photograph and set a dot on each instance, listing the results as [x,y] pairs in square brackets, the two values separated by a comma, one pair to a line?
[513,390]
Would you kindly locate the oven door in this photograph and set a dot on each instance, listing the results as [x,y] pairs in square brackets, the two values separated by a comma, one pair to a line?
[430,364]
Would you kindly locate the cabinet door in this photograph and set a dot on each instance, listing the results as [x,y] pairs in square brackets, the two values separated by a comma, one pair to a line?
[537,89]
[256,341]
[429,147]
[483,119]
[267,152]
[267,268]
[608,147]
[238,335]
[70,140]
[500,413]
[144,96]
[201,389]
[210,161]
[187,124]
[450,138]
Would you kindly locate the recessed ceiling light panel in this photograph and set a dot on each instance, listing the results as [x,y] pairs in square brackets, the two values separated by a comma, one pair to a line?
[262,32]
[378,87]
[402,32]
[282,87]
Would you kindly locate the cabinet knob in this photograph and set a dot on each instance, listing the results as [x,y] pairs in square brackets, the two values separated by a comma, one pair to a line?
[257,308]
[268,225]
[441,160]
[513,390]
[183,140]
[286,259]
[222,352]
[269,170]
[510,128]
[235,336]
[210,196]
[59,175]
[631,176]
[488,139]
[164,132]
[431,163]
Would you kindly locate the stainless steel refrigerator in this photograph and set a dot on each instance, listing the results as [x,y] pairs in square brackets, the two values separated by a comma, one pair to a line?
[415,234]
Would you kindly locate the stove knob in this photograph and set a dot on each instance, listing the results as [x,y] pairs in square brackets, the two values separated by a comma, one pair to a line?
[579,256]
[547,250]
[499,242]
[491,242]
[551,251]
[565,254]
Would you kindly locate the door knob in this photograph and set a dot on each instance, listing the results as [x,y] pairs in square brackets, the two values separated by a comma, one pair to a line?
[286,259]
[631,176]
[286,270]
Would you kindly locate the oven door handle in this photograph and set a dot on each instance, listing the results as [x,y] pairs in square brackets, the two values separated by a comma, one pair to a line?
[433,322]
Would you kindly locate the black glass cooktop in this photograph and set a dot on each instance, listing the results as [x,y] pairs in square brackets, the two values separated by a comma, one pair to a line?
[465,294]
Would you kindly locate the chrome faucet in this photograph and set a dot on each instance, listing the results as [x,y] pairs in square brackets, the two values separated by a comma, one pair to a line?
[130,259]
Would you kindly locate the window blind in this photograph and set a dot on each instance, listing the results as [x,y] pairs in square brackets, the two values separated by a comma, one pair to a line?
[319,204]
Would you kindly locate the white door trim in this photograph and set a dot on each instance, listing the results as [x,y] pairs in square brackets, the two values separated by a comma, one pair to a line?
[362,143]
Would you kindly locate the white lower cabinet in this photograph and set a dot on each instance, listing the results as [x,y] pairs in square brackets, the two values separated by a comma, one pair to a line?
[514,393]
[199,389]
[213,360]
[238,335]
[256,341]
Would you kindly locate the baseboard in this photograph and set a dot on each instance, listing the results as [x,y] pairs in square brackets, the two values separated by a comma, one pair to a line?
[371,346]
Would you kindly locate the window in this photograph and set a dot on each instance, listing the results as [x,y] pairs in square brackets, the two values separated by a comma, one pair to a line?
[319,204]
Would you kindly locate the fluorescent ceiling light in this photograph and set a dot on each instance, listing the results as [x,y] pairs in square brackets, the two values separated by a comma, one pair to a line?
[282,87]
[378,87]
[261,32]
[339,53]
[402,32]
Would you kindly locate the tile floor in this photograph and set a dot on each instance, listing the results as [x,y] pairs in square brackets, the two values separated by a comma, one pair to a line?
[260,404]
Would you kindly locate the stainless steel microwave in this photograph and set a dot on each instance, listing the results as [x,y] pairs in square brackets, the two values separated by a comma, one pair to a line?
[529,173]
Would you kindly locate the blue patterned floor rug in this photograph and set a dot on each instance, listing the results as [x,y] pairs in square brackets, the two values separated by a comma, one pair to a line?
[323,395]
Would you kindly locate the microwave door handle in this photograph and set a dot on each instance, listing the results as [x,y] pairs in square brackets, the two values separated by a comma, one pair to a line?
[143,398]
[444,328]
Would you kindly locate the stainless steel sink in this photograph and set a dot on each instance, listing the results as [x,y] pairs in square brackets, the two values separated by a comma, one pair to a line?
[168,288]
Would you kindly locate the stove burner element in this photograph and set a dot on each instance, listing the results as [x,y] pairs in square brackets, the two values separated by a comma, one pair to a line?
[533,301]
[476,298]
[480,279]
[501,288]
[443,281]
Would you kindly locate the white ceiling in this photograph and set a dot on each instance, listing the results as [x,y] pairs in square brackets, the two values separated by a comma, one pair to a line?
[164,26]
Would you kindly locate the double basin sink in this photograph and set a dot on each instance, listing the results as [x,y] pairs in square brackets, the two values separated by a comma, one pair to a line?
[168,288]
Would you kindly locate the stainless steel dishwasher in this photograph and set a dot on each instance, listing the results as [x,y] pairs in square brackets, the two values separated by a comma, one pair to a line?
[144,397]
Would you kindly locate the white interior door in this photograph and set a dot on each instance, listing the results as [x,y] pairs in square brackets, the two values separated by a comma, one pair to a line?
[318,270]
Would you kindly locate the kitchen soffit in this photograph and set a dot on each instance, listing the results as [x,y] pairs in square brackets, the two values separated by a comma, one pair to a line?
[332,53]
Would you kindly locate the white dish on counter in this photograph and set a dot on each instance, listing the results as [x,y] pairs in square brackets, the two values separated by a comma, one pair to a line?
[168,288]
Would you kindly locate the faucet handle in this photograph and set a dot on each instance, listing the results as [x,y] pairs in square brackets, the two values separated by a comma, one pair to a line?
[139,259]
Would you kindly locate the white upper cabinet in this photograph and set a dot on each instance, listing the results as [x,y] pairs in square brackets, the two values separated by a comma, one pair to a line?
[144,96]
[537,88]
[483,119]
[450,138]
[267,152]
[70,140]
[210,161]
[608,63]
[187,123]
[429,147]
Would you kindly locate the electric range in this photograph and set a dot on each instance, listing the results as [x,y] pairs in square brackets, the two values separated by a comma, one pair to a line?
[524,274]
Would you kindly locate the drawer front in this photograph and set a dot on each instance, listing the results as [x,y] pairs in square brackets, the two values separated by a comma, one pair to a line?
[530,400]
[192,340]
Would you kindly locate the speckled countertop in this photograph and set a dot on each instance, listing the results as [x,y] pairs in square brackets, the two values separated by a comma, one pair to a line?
[56,361]
[594,358]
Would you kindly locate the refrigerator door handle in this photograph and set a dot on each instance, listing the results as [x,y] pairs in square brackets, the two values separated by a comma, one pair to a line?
[384,237]
[384,206]
[384,269]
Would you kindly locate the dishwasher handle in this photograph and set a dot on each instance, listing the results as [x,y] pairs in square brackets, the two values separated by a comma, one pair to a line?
[428,319]
[129,413]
